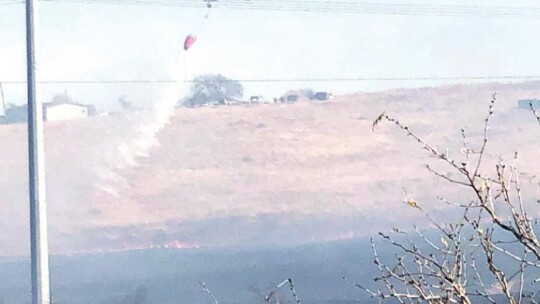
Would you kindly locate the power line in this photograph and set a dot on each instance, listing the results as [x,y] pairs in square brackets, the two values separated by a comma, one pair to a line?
[9,2]
[282,80]
[515,12]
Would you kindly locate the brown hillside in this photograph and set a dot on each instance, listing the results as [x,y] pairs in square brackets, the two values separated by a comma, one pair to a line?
[259,175]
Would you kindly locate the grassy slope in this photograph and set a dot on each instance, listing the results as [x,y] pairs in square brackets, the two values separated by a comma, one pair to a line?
[221,172]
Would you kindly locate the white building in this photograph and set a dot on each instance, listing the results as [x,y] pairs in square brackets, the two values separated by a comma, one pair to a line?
[56,111]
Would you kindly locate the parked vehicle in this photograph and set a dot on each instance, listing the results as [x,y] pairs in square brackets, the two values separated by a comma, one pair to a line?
[323,96]
[292,98]
[256,99]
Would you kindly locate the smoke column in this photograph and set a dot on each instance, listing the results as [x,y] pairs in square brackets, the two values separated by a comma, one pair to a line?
[142,139]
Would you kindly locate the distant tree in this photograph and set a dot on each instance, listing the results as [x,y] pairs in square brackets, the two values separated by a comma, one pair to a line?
[125,103]
[213,88]
[2,101]
[15,114]
[62,98]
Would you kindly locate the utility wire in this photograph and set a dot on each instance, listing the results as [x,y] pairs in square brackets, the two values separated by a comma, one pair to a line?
[515,12]
[9,2]
[282,80]
[379,8]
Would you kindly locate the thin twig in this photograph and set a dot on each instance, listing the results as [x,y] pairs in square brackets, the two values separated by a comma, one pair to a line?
[535,113]
[206,290]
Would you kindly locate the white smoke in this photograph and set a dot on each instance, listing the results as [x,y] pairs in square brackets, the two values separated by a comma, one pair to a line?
[142,138]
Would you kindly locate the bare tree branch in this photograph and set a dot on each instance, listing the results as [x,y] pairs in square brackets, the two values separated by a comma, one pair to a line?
[535,113]
[494,224]
[273,293]
[206,290]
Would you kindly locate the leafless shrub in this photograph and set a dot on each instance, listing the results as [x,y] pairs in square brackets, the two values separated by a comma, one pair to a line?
[489,253]
[273,295]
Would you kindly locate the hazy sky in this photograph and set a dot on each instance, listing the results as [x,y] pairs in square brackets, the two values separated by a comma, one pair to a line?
[111,42]
[121,42]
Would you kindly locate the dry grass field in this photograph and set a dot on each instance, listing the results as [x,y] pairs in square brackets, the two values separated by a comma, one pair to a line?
[275,174]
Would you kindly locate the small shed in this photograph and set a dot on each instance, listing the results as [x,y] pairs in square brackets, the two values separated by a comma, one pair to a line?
[57,111]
